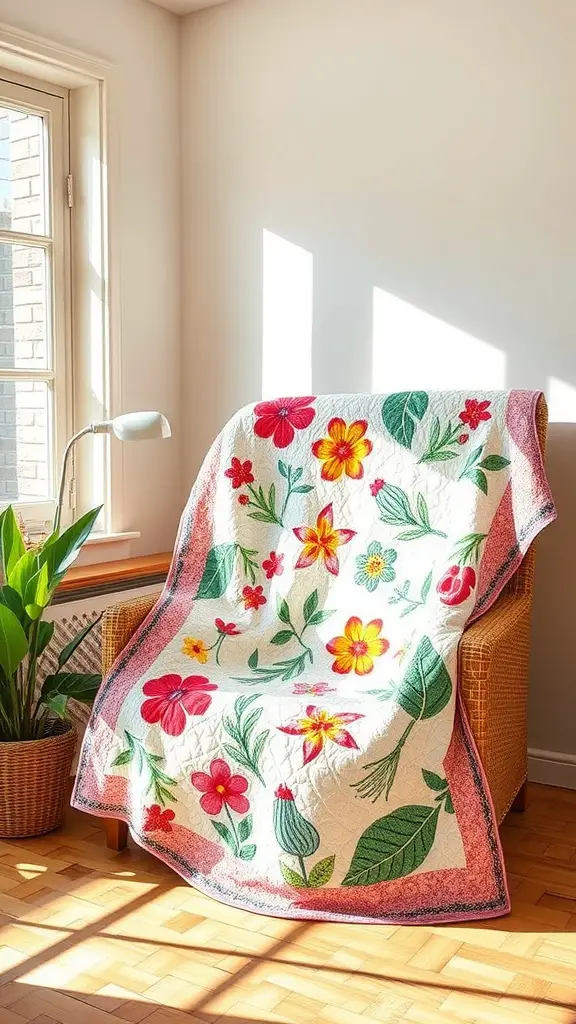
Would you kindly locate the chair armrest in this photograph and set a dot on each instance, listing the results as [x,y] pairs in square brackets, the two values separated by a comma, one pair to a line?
[493,659]
[119,623]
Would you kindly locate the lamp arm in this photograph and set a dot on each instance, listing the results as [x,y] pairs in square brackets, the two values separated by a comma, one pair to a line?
[62,488]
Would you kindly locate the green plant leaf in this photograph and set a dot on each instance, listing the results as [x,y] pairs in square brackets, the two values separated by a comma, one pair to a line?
[253,659]
[444,455]
[45,634]
[82,686]
[283,469]
[425,590]
[426,687]
[283,637]
[322,872]
[245,828]
[11,598]
[401,412]
[125,757]
[248,852]
[494,462]
[67,652]
[283,611]
[310,605]
[302,489]
[394,506]
[22,572]
[60,554]
[11,541]
[434,781]
[319,617]
[13,642]
[448,805]
[224,833]
[38,593]
[57,703]
[292,877]
[422,509]
[217,571]
[478,477]
[393,846]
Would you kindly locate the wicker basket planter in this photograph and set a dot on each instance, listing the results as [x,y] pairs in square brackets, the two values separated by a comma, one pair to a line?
[33,782]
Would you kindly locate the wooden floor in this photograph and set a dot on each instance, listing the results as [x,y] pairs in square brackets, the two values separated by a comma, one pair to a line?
[92,937]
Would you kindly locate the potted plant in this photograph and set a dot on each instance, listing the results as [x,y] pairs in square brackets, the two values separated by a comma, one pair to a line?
[37,741]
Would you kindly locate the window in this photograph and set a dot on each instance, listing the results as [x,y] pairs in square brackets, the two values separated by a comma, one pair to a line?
[35,366]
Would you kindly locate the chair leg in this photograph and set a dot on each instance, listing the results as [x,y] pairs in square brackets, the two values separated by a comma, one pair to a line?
[116,834]
[521,799]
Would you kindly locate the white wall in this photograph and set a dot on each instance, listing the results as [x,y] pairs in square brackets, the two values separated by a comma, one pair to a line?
[142,42]
[425,149]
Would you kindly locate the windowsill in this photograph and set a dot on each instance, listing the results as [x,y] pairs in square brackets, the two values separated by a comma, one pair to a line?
[108,577]
[112,538]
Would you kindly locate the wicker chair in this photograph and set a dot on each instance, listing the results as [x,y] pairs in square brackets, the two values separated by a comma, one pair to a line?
[493,664]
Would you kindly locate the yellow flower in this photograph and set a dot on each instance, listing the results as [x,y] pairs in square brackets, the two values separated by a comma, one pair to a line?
[356,650]
[322,542]
[343,450]
[195,649]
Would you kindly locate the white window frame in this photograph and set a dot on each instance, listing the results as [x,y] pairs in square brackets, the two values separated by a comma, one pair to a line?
[51,104]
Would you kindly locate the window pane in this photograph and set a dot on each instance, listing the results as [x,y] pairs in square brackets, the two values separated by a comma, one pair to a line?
[24,441]
[22,172]
[23,307]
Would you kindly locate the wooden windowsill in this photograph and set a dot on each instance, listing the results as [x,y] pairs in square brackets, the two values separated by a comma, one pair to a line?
[107,576]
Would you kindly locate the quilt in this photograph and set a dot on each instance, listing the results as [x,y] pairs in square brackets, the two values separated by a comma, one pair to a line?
[285,728]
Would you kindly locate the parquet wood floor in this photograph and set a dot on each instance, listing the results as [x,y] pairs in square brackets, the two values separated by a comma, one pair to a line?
[92,937]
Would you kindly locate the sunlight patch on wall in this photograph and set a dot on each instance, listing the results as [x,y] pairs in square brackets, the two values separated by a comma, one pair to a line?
[412,349]
[561,398]
[286,318]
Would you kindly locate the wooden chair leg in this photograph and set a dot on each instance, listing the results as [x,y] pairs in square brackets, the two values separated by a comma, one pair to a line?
[116,834]
[521,800]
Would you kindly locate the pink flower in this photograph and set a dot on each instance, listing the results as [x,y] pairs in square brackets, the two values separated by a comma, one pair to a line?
[253,597]
[243,499]
[313,689]
[376,486]
[319,727]
[280,418]
[322,542]
[221,787]
[463,438]
[228,628]
[157,820]
[456,584]
[273,566]
[240,473]
[474,412]
[170,696]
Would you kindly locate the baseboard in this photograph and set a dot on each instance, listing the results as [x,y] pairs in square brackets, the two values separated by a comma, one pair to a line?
[552,768]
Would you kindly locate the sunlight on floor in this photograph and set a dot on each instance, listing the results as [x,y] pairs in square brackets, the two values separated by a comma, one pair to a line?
[286,318]
[412,349]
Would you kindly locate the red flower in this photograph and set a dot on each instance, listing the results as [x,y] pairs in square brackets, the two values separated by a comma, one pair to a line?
[284,793]
[278,419]
[474,412]
[376,486]
[273,566]
[157,820]
[456,584]
[228,628]
[243,499]
[221,787]
[170,696]
[463,438]
[318,727]
[253,597]
[240,473]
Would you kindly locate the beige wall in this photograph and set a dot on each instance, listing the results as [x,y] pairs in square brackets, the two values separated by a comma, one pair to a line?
[141,41]
[423,148]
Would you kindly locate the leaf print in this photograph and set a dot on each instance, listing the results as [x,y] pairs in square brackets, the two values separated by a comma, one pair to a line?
[426,687]
[322,872]
[395,510]
[474,469]
[223,791]
[297,836]
[245,751]
[375,566]
[217,571]
[401,413]
[467,549]
[440,442]
[394,846]
[245,828]
[291,667]
[292,877]
[433,781]
[147,765]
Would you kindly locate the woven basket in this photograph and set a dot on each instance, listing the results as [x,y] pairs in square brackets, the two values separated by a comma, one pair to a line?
[33,781]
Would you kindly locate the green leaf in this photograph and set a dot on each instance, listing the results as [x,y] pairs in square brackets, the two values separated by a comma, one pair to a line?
[425,590]
[320,617]
[434,433]
[22,572]
[444,455]
[60,554]
[292,877]
[253,659]
[224,833]
[245,828]
[478,477]
[422,509]
[217,571]
[394,506]
[297,474]
[45,634]
[283,469]
[302,489]
[13,642]
[82,686]
[125,757]
[283,637]
[400,413]
[11,598]
[11,541]
[434,781]
[248,852]
[57,703]
[494,462]
[283,611]
[322,872]
[414,534]
[426,687]
[448,805]
[310,605]
[393,846]
[38,593]
[67,652]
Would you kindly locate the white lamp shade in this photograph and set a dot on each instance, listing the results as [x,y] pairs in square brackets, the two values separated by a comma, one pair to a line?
[136,426]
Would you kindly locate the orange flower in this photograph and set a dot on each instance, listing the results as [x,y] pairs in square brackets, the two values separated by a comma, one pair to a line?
[322,542]
[343,450]
[320,726]
[195,649]
[358,647]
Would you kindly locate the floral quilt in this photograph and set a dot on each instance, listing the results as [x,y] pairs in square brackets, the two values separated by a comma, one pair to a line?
[284,729]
